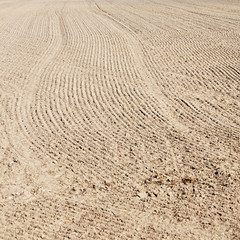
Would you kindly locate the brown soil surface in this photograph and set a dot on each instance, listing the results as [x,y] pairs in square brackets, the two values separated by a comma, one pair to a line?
[120,119]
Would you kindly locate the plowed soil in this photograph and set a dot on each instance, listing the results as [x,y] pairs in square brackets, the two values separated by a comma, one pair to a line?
[120,119]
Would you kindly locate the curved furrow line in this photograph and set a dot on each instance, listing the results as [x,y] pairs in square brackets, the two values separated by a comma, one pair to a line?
[231,109]
[88,146]
[28,132]
[176,18]
[21,109]
[179,109]
[220,113]
[180,45]
[171,87]
[122,117]
[197,74]
[71,156]
[207,115]
[189,88]
[137,83]
[230,73]
[195,113]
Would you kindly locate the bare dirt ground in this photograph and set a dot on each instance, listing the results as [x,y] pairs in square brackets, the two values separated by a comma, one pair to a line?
[119,119]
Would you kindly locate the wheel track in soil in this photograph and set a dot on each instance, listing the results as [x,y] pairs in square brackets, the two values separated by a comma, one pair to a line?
[98,99]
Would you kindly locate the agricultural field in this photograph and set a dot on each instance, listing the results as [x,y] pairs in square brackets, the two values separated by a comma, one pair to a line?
[120,119]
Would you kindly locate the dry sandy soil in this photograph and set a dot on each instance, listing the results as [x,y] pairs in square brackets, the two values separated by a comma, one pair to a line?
[119,119]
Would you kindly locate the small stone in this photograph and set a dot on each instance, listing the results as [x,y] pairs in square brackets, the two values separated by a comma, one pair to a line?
[142,194]
[10,164]
[107,182]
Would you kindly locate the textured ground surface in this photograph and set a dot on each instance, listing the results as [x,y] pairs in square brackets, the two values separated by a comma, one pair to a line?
[119,119]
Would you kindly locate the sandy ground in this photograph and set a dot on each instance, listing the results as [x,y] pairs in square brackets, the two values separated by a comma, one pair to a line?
[119,119]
